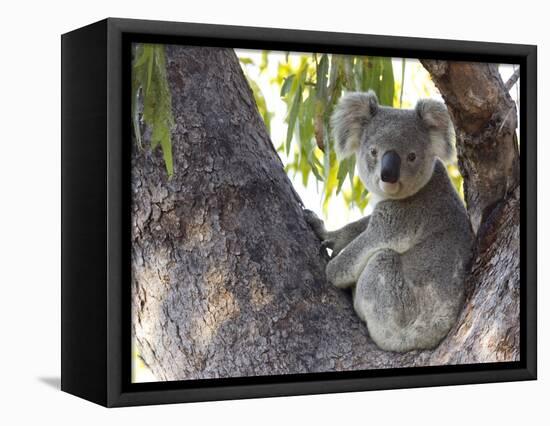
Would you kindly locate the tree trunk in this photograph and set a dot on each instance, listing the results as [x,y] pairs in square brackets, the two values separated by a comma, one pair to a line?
[227,278]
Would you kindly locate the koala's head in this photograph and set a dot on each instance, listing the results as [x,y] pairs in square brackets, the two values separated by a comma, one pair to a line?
[396,149]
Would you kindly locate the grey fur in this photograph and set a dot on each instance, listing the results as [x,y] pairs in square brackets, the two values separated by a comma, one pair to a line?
[408,260]
[436,117]
[349,119]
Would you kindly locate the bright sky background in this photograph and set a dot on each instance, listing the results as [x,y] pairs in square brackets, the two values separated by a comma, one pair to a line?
[418,84]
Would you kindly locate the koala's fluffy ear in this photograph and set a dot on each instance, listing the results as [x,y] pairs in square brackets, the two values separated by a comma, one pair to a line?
[442,134]
[348,121]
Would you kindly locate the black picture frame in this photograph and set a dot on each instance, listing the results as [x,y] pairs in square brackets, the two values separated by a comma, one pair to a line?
[95,286]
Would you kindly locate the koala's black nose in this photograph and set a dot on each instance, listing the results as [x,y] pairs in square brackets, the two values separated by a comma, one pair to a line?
[391,163]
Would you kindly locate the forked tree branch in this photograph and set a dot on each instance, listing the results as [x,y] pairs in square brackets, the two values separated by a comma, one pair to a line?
[512,80]
[485,121]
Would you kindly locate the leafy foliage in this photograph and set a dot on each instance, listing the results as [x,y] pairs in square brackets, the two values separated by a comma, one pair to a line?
[311,88]
[152,100]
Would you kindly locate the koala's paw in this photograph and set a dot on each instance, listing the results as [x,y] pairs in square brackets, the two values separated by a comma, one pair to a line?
[330,272]
[316,224]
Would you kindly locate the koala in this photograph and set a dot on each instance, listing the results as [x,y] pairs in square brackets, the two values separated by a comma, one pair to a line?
[407,262]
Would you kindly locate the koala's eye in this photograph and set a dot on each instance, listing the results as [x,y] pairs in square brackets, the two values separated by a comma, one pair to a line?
[373,152]
[411,157]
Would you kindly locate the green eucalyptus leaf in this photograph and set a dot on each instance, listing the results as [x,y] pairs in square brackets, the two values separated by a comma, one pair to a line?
[150,64]
[315,171]
[142,55]
[351,169]
[287,85]
[326,153]
[348,79]
[371,74]
[149,80]
[261,103]
[334,82]
[265,60]
[246,61]
[343,169]
[292,116]
[387,83]
[166,145]
[358,73]
[322,77]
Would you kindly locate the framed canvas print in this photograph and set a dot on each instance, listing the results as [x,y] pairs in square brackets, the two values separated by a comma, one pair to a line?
[251,212]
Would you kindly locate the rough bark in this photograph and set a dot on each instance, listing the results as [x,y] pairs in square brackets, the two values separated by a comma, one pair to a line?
[227,278]
[485,119]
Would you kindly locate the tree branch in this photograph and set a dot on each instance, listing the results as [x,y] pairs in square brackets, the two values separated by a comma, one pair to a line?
[512,80]
[485,119]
